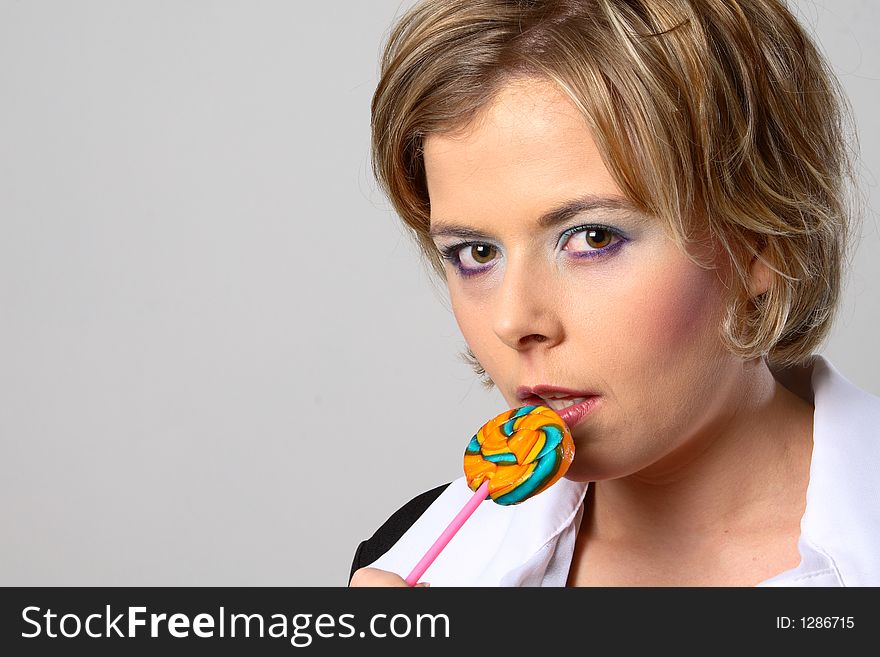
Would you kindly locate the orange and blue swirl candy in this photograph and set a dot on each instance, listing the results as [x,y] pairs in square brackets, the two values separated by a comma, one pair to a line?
[521,452]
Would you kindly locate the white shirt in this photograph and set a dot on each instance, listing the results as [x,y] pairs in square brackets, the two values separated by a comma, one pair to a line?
[531,544]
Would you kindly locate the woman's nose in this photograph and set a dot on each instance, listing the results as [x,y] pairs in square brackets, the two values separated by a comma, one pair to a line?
[525,312]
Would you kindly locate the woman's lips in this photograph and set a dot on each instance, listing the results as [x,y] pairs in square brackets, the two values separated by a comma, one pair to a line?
[571,415]
[576,413]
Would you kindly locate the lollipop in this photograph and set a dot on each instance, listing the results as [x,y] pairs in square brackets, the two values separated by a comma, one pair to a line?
[513,457]
[520,453]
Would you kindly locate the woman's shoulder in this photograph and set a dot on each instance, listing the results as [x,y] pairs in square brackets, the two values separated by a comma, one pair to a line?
[393,528]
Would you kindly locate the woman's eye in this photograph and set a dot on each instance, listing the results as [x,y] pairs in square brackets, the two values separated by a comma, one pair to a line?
[479,254]
[593,239]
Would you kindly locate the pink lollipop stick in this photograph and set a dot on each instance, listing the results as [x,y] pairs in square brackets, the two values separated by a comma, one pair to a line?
[448,533]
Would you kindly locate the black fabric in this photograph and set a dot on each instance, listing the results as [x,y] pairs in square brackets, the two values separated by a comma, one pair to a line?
[393,528]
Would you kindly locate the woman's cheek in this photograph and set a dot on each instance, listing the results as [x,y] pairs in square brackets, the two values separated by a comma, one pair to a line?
[677,312]
[472,320]
[464,311]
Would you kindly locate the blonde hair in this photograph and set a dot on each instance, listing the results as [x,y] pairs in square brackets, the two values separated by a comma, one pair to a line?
[718,117]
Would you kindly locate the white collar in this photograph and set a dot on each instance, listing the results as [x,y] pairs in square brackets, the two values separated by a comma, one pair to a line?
[531,544]
[840,529]
[498,545]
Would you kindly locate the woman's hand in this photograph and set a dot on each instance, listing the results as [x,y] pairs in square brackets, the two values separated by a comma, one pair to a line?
[374,577]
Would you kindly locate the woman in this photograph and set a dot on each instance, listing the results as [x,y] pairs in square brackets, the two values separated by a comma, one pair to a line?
[640,211]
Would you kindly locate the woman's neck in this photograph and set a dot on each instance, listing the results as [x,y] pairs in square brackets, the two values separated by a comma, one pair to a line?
[744,475]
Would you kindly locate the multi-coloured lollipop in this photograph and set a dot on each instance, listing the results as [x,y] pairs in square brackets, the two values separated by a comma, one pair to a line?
[513,457]
[520,453]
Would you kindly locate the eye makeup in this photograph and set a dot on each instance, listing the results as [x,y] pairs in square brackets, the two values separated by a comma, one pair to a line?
[453,252]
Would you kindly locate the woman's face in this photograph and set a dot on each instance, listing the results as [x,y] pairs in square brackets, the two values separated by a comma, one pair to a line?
[598,301]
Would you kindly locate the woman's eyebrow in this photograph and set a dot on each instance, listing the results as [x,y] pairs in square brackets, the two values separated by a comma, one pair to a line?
[556,216]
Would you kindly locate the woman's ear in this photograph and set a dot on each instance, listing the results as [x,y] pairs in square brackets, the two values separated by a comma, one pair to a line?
[759,277]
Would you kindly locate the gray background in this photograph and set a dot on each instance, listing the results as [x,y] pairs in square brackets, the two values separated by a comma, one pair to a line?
[221,360]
